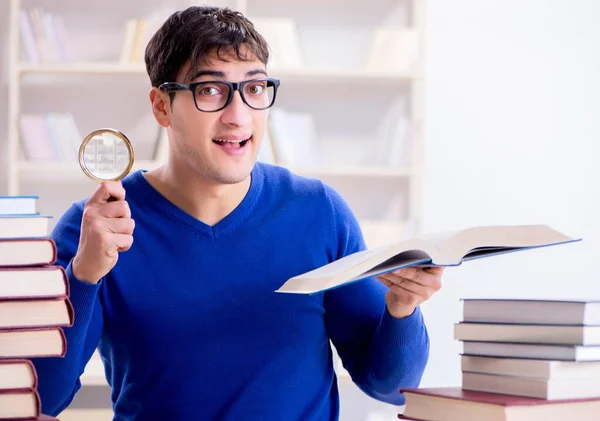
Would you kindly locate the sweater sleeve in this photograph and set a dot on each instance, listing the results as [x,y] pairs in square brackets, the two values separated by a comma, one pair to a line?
[381,353]
[59,377]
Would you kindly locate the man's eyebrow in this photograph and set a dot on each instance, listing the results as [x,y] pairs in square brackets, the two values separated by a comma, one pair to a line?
[221,75]
[256,72]
[215,73]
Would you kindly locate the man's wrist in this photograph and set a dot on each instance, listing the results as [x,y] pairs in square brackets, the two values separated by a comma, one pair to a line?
[398,311]
[76,270]
[401,313]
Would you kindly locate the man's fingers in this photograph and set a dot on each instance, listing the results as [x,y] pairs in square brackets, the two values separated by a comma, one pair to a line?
[120,242]
[390,279]
[420,276]
[106,190]
[116,209]
[384,281]
[120,225]
[417,289]
[405,296]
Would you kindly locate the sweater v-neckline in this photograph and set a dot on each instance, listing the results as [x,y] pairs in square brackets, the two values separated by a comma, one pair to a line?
[152,197]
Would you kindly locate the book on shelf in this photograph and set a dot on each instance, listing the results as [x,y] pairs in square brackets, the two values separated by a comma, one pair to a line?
[283,39]
[137,34]
[396,136]
[44,36]
[49,137]
[454,403]
[293,137]
[440,249]
[393,50]
[161,146]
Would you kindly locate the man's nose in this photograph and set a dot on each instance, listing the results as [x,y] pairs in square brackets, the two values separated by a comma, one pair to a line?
[237,113]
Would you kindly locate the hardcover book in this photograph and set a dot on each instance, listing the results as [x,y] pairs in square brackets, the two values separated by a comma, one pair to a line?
[442,249]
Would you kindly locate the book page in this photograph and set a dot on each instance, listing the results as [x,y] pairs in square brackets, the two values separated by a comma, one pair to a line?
[490,240]
[342,265]
[408,258]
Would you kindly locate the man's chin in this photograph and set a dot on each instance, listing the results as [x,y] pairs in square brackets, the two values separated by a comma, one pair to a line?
[234,175]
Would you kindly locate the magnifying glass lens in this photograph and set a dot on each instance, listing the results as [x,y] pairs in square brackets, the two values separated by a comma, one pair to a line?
[106,154]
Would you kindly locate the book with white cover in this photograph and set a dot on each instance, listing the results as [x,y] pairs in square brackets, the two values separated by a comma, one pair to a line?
[23,226]
[540,334]
[533,388]
[584,311]
[18,205]
[441,249]
[536,369]
[534,351]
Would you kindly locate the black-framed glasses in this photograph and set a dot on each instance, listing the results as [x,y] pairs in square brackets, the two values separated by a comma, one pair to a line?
[215,95]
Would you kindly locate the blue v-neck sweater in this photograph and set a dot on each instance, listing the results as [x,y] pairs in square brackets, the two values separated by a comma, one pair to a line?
[189,326]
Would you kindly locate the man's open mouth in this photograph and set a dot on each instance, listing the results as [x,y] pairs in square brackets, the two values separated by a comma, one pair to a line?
[231,144]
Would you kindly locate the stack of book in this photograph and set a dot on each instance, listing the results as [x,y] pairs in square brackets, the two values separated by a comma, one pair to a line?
[34,305]
[522,360]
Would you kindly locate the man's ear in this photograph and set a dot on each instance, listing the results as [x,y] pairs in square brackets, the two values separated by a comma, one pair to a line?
[161,106]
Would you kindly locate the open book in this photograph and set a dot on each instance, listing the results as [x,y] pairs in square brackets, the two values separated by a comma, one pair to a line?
[441,249]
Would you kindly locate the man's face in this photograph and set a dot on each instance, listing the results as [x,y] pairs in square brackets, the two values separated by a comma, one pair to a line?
[220,146]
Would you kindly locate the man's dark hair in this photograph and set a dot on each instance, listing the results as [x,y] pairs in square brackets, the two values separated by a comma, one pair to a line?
[195,33]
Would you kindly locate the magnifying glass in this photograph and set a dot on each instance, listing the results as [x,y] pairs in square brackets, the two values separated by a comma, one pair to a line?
[106,155]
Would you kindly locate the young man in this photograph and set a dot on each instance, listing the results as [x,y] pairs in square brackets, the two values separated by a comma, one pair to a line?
[186,318]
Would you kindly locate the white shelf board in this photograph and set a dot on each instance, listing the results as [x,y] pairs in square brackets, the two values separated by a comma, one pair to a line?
[299,75]
[65,170]
[81,68]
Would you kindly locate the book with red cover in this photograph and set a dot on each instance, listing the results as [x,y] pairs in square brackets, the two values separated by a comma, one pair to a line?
[27,313]
[27,251]
[19,404]
[18,374]
[33,282]
[454,403]
[33,343]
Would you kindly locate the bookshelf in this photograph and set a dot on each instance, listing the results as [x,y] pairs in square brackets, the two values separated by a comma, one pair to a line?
[360,99]
[355,94]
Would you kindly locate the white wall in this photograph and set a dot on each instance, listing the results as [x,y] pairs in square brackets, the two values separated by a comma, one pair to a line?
[513,107]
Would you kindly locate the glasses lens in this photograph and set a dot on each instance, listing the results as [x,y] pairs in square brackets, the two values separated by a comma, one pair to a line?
[259,94]
[211,96]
